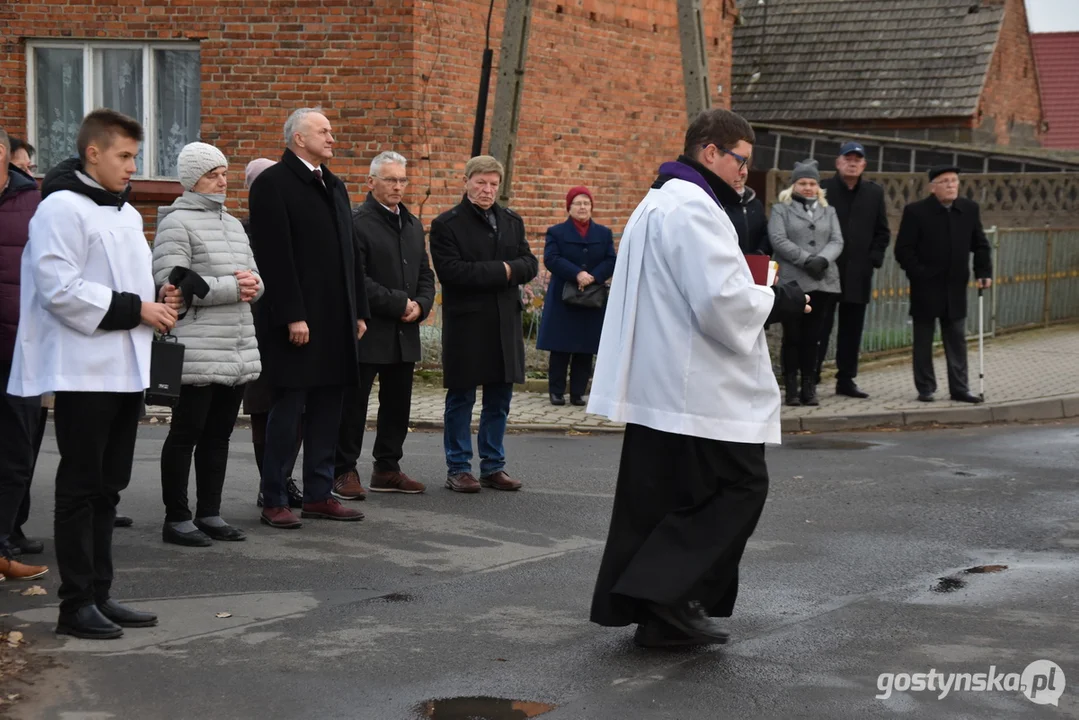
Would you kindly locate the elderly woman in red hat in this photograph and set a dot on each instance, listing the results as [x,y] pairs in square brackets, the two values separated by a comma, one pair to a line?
[580,256]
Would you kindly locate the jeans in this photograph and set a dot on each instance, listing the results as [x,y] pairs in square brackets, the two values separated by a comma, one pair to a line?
[457,435]
[202,424]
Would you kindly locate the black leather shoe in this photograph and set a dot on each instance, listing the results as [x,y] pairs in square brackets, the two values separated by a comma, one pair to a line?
[850,389]
[122,521]
[691,619]
[227,533]
[576,400]
[88,622]
[925,397]
[28,546]
[656,634]
[195,538]
[808,395]
[124,616]
[9,549]
[962,397]
[295,495]
[557,399]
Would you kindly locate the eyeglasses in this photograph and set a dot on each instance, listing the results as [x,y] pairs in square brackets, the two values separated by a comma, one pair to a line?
[403,182]
[742,160]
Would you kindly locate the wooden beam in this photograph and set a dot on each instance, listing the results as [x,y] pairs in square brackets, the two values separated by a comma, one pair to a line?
[694,57]
[508,91]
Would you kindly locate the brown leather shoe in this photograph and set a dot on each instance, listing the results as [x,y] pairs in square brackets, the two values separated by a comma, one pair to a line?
[330,509]
[15,570]
[463,483]
[500,481]
[280,517]
[395,482]
[348,487]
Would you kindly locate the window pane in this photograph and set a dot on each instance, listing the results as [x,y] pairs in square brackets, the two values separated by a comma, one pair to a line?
[792,150]
[896,159]
[1003,166]
[118,86]
[763,151]
[177,105]
[57,103]
[971,163]
[931,158]
[826,151]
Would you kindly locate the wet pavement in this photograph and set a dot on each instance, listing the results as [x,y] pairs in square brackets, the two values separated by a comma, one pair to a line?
[887,552]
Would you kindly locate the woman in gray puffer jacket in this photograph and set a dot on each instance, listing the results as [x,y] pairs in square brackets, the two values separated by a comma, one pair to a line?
[806,241]
[218,333]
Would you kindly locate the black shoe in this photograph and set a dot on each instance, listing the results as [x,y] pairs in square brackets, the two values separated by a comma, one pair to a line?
[295,495]
[657,634]
[124,616]
[194,538]
[926,397]
[9,549]
[226,533]
[691,619]
[557,399]
[850,389]
[26,545]
[577,400]
[959,397]
[258,500]
[88,622]
[809,392]
[790,383]
[122,521]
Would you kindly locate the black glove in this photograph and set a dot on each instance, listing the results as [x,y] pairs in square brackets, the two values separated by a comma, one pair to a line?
[816,266]
[789,304]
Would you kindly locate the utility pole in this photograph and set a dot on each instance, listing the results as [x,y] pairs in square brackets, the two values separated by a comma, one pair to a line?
[511,70]
[694,58]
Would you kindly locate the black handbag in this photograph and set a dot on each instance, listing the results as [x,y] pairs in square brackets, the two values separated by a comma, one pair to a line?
[166,371]
[593,297]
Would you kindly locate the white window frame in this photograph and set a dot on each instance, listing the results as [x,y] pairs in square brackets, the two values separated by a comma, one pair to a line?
[149,77]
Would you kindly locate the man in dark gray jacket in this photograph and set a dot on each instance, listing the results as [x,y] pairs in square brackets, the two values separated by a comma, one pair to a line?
[401,291]
[863,218]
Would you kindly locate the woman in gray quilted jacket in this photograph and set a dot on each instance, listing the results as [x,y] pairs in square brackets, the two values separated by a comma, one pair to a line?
[218,333]
[806,241]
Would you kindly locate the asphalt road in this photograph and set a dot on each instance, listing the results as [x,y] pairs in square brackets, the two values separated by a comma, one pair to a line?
[441,596]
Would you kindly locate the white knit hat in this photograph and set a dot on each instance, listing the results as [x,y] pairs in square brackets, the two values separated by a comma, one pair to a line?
[196,159]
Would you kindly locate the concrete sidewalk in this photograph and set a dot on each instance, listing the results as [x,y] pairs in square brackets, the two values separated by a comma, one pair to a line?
[1033,375]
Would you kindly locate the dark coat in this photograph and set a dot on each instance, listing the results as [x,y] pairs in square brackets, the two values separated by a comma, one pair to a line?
[482,336]
[933,247]
[863,218]
[306,253]
[17,205]
[571,329]
[394,255]
[747,215]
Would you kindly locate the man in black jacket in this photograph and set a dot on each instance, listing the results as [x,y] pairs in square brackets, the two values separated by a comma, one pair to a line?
[482,257]
[401,290]
[747,216]
[310,317]
[936,238]
[863,219]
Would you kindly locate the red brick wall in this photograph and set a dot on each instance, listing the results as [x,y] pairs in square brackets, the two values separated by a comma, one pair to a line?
[1010,111]
[603,101]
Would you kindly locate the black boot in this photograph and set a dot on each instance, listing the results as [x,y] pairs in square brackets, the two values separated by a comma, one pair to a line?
[125,616]
[558,399]
[790,381]
[809,390]
[88,622]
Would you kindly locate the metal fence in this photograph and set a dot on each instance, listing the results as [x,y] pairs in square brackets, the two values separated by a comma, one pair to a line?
[1035,282]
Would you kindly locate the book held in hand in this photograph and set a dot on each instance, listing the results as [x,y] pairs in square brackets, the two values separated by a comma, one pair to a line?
[763,268]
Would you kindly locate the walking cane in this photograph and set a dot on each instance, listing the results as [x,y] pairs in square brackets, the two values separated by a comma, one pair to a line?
[981,343]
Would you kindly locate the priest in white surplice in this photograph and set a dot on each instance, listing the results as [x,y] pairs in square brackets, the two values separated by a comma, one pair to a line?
[684,362]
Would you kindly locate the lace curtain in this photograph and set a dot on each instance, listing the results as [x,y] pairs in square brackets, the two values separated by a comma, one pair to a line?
[58,84]
[118,85]
[177,110]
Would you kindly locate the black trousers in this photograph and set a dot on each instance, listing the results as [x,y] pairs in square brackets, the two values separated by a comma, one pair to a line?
[954,335]
[394,410]
[580,370]
[258,441]
[21,427]
[684,509]
[848,342]
[202,424]
[802,337]
[316,413]
[95,434]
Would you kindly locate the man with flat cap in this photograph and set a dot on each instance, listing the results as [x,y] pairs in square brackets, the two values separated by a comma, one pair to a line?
[863,218]
[937,236]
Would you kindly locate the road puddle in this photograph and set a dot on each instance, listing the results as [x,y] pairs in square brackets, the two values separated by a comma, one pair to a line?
[481,708]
